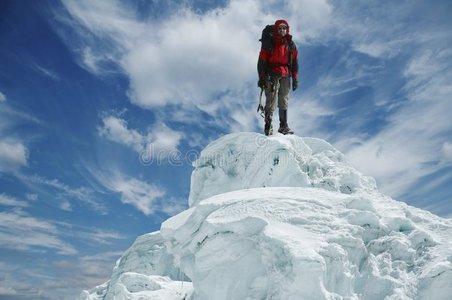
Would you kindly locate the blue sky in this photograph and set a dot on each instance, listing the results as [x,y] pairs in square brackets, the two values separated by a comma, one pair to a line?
[104,104]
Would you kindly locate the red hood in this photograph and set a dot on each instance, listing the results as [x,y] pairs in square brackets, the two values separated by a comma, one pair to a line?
[279,22]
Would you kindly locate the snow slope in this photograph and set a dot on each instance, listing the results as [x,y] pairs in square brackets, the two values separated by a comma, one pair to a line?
[286,218]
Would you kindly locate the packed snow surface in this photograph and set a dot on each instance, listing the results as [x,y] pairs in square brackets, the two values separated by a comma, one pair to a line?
[285,218]
[248,160]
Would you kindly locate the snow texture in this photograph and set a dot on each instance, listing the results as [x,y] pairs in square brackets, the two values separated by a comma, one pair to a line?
[249,160]
[285,218]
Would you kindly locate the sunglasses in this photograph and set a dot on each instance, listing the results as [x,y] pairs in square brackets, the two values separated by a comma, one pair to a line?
[282,27]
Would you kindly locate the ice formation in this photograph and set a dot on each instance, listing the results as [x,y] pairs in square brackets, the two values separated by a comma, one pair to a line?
[285,218]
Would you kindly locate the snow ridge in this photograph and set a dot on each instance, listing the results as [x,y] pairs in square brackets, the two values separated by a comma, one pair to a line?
[248,160]
[285,218]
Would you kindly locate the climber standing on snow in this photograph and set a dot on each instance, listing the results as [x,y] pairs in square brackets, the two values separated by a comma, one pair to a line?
[278,62]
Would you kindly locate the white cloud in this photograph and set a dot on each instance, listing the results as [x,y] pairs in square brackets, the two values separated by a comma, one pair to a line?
[81,273]
[217,55]
[173,206]
[410,142]
[13,155]
[188,57]
[66,205]
[102,236]
[208,60]
[140,194]
[371,28]
[87,234]
[160,141]
[115,129]
[98,266]
[32,197]
[20,231]
[7,291]
[407,148]
[83,194]
[308,18]
[447,151]
[9,201]
[304,113]
[163,140]
[2,97]
[10,117]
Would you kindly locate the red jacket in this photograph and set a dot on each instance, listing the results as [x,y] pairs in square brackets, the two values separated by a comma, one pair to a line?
[276,60]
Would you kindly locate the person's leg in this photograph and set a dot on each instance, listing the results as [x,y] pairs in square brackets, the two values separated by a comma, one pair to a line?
[270,100]
[283,104]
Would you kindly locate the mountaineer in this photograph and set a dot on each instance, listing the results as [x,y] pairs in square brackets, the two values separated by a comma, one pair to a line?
[278,62]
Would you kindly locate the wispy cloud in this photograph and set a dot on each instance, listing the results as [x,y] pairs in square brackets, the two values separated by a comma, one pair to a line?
[64,191]
[159,140]
[82,272]
[140,194]
[66,279]
[6,200]
[149,51]
[32,197]
[218,56]
[447,151]
[11,116]
[46,72]
[116,130]
[397,134]
[89,235]
[408,146]
[14,153]
[7,291]
[21,231]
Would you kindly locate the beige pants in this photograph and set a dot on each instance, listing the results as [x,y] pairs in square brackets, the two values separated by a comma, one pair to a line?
[281,92]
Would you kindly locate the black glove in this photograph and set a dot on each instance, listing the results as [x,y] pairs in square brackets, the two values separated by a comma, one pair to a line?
[294,84]
[262,83]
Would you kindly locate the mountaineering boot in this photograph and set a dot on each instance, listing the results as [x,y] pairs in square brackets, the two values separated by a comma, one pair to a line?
[283,127]
[268,129]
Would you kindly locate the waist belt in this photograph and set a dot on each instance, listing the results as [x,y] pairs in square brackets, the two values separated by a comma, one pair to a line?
[277,65]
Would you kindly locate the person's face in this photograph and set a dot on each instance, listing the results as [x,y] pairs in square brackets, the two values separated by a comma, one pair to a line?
[282,30]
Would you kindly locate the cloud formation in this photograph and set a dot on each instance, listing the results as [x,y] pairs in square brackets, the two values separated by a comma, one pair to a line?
[6,200]
[140,194]
[159,140]
[62,191]
[187,57]
[19,231]
[46,72]
[208,61]
[13,155]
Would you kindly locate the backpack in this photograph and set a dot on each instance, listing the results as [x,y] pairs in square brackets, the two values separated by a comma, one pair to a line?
[267,38]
